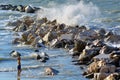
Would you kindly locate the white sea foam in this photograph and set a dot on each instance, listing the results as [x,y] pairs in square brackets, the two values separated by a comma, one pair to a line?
[78,13]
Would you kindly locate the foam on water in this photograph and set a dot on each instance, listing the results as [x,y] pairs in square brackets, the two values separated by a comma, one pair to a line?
[77,13]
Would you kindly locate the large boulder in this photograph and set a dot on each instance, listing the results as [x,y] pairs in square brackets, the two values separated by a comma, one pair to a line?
[113,38]
[29,9]
[50,36]
[50,71]
[78,47]
[22,27]
[14,53]
[100,76]
[87,35]
[67,36]
[107,69]
[87,55]
[107,49]
[95,66]
[113,76]
[27,20]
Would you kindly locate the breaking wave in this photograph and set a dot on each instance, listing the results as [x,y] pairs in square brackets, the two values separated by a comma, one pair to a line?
[77,13]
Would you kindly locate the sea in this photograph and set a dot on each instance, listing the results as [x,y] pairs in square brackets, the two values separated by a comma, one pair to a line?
[94,14]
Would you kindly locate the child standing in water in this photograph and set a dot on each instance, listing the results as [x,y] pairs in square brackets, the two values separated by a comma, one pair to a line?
[19,65]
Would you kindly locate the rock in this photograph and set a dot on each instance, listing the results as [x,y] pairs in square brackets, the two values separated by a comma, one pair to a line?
[101,33]
[61,26]
[66,36]
[20,8]
[102,56]
[50,71]
[109,33]
[15,23]
[113,38]
[87,55]
[25,35]
[20,28]
[29,9]
[95,66]
[115,60]
[113,76]
[98,43]
[50,36]
[78,47]
[31,37]
[107,49]
[90,76]
[44,55]
[100,76]
[107,69]
[41,21]
[27,20]
[15,53]
[16,41]
[87,35]
[37,42]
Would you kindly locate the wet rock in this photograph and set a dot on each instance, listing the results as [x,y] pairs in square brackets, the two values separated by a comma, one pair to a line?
[87,35]
[95,66]
[16,41]
[31,37]
[98,43]
[113,76]
[90,76]
[61,27]
[66,36]
[102,57]
[41,21]
[50,36]
[44,55]
[109,33]
[20,8]
[29,9]
[41,59]
[107,49]
[113,39]
[87,55]
[15,53]
[101,33]
[78,47]
[27,20]
[15,23]
[25,34]
[37,42]
[100,76]
[20,28]
[107,69]
[115,59]
[51,71]
[38,57]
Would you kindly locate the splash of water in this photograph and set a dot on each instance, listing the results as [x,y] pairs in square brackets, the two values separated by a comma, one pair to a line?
[71,14]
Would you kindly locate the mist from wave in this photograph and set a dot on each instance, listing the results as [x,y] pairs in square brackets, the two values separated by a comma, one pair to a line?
[78,13]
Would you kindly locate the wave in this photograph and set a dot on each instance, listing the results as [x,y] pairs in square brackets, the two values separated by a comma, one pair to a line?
[11,69]
[72,14]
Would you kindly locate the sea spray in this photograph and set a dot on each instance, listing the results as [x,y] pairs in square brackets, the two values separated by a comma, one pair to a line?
[72,14]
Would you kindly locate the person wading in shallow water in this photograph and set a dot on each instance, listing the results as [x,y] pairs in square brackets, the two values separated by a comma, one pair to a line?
[19,65]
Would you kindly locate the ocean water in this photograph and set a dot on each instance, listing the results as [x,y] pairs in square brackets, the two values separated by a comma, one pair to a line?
[92,13]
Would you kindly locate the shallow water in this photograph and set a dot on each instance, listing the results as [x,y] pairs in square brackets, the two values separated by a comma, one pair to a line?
[108,17]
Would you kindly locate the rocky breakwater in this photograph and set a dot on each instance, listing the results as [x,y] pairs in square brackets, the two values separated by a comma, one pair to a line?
[87,47]
[21,8]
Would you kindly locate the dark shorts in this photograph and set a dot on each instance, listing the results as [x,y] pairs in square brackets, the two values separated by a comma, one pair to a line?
[19,67]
